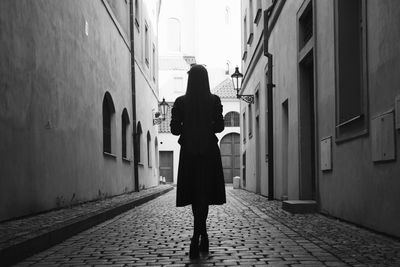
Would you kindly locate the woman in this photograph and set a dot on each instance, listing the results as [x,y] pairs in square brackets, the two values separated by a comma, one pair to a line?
[196,117]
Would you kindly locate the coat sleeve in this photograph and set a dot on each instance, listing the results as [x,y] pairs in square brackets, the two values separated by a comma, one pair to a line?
[218,123]
[176,118]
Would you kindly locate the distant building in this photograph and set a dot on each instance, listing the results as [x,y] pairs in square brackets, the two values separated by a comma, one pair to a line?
[335,106]
[66,106]
[184,38]
[228,139]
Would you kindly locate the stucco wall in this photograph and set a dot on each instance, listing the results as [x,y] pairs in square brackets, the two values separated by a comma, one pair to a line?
[254,68]
[283,47]
[53,80]
[357,189]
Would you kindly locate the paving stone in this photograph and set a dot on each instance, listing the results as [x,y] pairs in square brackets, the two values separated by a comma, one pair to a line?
[247,231]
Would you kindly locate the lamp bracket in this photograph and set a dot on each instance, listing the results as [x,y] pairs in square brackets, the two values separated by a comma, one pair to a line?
[247,98]
[157,120]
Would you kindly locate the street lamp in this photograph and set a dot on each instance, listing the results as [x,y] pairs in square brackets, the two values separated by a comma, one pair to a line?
[237,83]
[164,107]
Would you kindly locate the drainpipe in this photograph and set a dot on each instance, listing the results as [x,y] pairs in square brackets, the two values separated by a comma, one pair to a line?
[134,133]
[270,109]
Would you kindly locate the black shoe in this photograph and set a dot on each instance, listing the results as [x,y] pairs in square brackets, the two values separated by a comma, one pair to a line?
[194,248]
[204,244]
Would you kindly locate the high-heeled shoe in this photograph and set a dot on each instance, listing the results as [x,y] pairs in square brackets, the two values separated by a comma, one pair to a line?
[194,248]
[204,244]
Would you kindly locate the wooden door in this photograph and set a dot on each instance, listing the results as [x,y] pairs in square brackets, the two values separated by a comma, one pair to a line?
[167,165]
[230,156]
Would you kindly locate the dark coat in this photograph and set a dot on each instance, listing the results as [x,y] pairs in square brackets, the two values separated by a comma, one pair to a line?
[200,175]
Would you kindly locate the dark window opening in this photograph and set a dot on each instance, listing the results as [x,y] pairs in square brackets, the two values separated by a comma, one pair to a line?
[125,124]
[108,112]
[149,163]
[306,26]
[138,141]
[351,58]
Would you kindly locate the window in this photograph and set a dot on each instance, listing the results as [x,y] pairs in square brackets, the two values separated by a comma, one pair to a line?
[124,130]
[137,13]
[146,44]
[154,63]
[232,119]
[244,127]
[306,26]
[148,149]
[351,85]
[250,25]
[178,85]
[227,15]
[244,38]
[258,12]
[257,102]
[174,35]
[108,122]
[250,121]
[139,141]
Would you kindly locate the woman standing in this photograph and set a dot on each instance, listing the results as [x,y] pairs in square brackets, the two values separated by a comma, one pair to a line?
[196,117]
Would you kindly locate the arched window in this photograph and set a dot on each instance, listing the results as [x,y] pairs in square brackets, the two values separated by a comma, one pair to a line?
[108,122]
[138,140]
[124,129]
[232,119]
[174,34]
[148,149]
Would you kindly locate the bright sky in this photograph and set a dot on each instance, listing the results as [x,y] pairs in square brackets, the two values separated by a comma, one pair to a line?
[218,32]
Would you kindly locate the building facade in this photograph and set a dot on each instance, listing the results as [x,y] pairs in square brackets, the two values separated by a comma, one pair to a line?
[146,87]
[67,112]
[335,106]
[184,40]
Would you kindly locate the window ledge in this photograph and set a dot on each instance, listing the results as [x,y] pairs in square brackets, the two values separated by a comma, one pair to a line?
[140,164]
[107,154]
[344,138]
[126,160]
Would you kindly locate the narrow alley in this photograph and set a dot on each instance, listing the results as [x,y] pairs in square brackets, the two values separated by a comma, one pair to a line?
[247,231]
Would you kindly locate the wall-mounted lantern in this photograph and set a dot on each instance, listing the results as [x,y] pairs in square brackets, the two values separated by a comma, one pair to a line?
[159,117]
[237,84]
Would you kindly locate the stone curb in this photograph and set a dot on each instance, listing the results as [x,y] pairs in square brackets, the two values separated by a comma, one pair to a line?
[27,248]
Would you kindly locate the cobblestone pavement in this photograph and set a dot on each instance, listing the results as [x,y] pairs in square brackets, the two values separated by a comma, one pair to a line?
[248,231]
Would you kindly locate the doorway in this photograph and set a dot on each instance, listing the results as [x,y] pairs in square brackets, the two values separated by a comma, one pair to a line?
[258,156]
[307,128]
[230,156]
[285,148]
[167,165]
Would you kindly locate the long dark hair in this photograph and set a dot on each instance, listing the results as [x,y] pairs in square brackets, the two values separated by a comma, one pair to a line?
[198,109]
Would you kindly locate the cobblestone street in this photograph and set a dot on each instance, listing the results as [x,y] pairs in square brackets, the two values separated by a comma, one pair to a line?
[248,231]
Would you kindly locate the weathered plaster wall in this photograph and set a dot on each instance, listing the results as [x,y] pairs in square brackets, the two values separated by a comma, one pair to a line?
[283,47]
[146,85]
[52,84]
[357,189]
[254,68]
